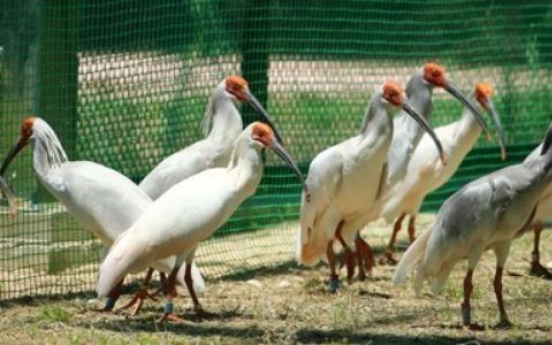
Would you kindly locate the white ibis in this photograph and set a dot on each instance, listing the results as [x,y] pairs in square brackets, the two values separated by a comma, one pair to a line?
[425,171]
[407,133]
[222,124]
[102,200]
[190,212]
[215,150]
[544,211]
[487,213]
[346,181]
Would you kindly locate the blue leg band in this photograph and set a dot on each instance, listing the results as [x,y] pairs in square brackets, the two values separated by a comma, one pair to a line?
[169,307]
[466,316]
[334,284]
[110,304]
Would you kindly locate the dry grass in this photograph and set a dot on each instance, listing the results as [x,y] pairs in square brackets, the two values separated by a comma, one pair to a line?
[288,304]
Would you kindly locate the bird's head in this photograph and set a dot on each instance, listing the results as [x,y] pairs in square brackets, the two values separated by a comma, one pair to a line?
[27,132]
[483,94]
[436,75]
[393,94]
[237,88]
[264,136]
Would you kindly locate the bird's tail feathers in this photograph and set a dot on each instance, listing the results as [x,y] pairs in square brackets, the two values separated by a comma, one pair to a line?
[439,280]
[411,258]
[308,244]
[126,254]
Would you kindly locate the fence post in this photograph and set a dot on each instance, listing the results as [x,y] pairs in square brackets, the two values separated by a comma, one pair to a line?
[58,73]
[254,47]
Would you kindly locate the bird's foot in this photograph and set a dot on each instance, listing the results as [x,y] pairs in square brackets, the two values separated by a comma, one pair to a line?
[365,259]
[334,283]
[138,300]
[349,261]
[473,327]
[109,305]
[504,323]
[171,318]
[538,270]
[388,259]
[202,313]
[168,315]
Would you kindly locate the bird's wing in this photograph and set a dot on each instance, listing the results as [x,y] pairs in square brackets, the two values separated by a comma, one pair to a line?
[173,225]
[323,179]
[191,210]
[179,166]
[128,253]
[101,199]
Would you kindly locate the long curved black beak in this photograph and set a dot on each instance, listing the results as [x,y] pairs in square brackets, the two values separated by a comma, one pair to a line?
[11,155]
[9,195]
[496,121]
[420,120]
[453,90]
[284,155]
[254,102]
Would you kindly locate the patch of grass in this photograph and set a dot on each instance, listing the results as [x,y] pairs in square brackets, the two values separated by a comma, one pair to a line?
[55,313]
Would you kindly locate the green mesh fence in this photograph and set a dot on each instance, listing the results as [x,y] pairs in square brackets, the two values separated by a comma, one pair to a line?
[125,83]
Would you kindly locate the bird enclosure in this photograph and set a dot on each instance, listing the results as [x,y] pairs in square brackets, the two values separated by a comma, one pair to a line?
[125,83]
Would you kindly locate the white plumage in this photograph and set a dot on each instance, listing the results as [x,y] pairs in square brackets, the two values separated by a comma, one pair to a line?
[102,200]
[190,212]
[426,172]
[346,181]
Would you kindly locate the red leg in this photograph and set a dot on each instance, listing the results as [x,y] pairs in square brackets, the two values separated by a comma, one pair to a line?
[466,308]
[348,257]
[537,269]
[170,291]
[334,277]
[365,257]
[412,229]
[504,322]
[142,294]
[163,280]
[388,256]
[113,296]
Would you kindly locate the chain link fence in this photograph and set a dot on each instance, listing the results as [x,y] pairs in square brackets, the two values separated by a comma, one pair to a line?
[125,83]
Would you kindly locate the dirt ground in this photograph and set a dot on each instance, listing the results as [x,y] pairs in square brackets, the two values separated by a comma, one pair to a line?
[288,304]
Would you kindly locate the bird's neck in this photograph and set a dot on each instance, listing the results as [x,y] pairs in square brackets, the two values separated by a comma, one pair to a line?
[48,154]
[467,128]
[377,127]
[420,99]
[246,168]
[226,122]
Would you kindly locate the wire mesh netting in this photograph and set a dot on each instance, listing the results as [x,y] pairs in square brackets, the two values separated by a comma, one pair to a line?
[126,83]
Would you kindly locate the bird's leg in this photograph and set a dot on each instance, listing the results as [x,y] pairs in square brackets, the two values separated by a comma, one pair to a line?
[113,296]
[348,257]
[142,294]
[190,286]
[537,269]
[365,257]
[388,256]
[503,322]
[163,281]
[468,288]
[412,229]
[334,277]
[170,291]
